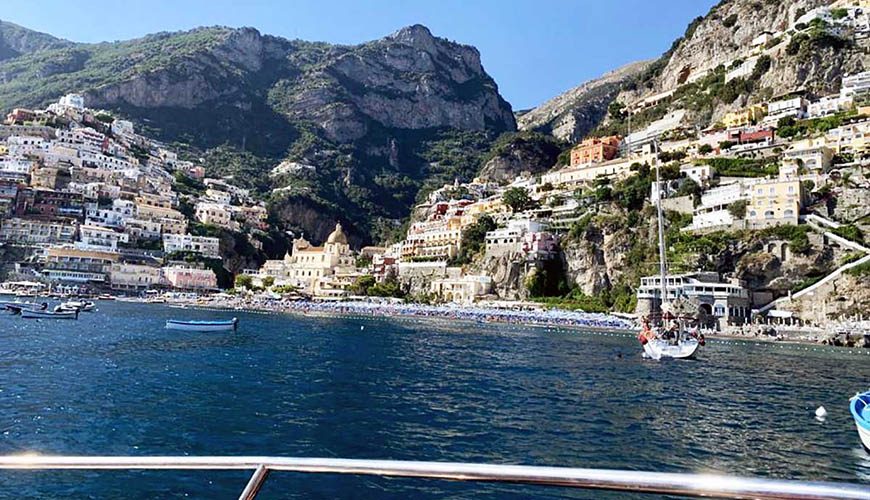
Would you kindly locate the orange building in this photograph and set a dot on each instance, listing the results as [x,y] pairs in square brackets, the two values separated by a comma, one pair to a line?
[595,149]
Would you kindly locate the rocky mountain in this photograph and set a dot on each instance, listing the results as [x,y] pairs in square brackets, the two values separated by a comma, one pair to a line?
[746,51]
[570,116]
[16,41]
[379,120]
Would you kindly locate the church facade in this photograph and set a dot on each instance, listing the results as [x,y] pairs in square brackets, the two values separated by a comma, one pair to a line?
[324,271]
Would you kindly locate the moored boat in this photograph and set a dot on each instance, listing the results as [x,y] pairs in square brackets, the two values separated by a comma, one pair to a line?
[33,314]
[77,305]
[860,408]
[17,307]
[670,340]
[203,326]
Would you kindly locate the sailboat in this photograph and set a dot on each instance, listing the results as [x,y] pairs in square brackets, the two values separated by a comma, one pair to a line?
[671,340]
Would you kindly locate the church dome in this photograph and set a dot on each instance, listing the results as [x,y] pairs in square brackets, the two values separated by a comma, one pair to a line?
[337,236]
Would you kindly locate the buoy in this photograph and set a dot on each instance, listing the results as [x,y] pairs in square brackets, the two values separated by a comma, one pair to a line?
[362,327]
[821,413]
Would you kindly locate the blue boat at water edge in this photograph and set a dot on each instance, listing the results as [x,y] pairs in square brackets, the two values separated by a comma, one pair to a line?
[860,408]
[203,326]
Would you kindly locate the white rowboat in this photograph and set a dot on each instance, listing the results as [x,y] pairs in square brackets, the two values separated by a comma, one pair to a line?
[31,314]
[203,326]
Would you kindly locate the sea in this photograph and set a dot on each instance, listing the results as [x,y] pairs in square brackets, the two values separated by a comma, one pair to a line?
[116,382]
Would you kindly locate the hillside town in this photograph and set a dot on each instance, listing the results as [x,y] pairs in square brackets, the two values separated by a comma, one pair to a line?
[91,206]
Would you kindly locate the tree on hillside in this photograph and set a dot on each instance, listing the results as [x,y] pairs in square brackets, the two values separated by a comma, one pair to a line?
[518,199]
[244,281]
[473,239]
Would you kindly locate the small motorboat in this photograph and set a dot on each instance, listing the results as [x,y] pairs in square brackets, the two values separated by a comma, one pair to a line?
[77,305]
[860,408]
[17,307]
[33,314]
[203,326]
[105,296]
[660,348]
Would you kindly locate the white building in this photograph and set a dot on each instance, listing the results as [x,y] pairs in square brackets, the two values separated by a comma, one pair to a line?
[745,69]
[461,290]
[99,236]
[74,101]
[795,107]
[509,240]
[15,165]
[718,303]
[122,127]
[828,106]
[713,210]
[203,245]
[856,84]
[219,197]
[23,145]
[637,140]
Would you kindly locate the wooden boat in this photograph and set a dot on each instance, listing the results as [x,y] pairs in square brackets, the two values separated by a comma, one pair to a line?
[203,326]
[32,314]
[860,408]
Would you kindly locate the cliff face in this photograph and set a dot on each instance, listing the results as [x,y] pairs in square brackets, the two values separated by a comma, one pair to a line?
[523,152]
[570,116]
[408,80]
[800,59]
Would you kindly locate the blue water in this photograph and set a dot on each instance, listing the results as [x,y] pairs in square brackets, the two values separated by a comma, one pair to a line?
[117,382]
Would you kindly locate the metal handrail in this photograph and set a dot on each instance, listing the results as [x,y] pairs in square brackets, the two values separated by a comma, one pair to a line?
[670,483]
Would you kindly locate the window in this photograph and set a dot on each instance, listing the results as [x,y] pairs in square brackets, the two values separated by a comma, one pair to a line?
[768,214]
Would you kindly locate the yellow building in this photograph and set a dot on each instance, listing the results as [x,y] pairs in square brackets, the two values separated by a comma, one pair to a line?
[436,240]
[133,277]
[774,202]
[321,271]
[746,116]
[172,221]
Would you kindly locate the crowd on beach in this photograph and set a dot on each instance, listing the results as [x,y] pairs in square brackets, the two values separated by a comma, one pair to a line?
[550,317]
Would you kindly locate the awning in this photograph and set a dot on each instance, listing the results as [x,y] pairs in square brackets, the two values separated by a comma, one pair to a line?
[779,314]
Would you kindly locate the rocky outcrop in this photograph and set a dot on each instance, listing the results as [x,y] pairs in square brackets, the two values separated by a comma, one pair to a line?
[595,258]
[571,115]
[508,274]
[408,80]
[723,38]
[524,152]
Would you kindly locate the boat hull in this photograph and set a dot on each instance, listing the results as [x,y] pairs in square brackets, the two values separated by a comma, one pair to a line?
[860,408]
[658,349]
[29,314]
[202,326]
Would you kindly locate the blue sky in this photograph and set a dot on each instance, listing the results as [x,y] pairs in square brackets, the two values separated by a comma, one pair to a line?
[535,49]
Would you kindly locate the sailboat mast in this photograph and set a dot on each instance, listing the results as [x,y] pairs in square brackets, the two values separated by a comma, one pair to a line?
[662,264]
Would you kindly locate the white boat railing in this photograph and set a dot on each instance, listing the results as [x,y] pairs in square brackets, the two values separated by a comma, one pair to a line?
[667,483]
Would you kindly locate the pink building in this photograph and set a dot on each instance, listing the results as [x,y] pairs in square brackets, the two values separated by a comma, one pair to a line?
[540,245]
[185,278]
